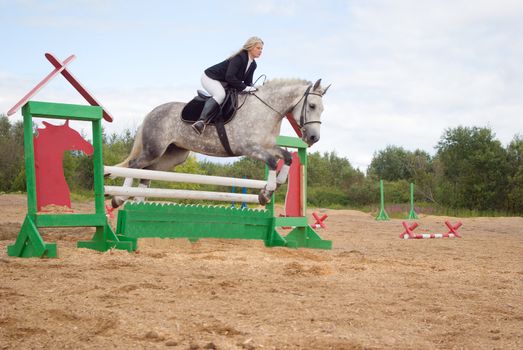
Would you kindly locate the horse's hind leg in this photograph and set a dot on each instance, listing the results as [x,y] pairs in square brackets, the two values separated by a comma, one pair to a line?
[145,158]
[146,152]
[171,158]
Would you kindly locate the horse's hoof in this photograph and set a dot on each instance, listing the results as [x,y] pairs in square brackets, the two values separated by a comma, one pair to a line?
[263,199]
[115,203]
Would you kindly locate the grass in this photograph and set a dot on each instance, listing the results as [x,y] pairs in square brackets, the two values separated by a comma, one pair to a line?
[399,211]
[82,196]
[396,210]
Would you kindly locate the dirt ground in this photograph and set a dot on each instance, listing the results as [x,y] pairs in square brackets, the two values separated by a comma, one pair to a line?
[373,290]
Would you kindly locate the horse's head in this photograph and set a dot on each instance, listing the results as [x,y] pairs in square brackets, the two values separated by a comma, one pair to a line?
[307,112]
[65,138]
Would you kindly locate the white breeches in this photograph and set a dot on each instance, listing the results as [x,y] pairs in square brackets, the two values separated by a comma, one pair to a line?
[213,87]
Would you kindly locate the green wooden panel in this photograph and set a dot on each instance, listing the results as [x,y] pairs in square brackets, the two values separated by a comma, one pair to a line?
[172,230]
[193,221]
[293,142]
[30,172]
[190,218]
[70,220]
[64,111]
[98,165]
[162,220]
[290,221]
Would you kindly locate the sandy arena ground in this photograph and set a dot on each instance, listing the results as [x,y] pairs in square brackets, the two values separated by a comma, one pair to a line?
[373,290]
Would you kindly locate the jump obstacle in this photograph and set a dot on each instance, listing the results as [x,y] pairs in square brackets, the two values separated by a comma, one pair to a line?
[147,219]
[382,214]
[138,220]
[409,231]
[29,242]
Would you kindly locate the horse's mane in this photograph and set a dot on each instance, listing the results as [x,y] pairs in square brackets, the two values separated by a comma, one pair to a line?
[278,83]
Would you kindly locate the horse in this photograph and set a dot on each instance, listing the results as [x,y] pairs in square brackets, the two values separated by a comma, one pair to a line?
[164,141]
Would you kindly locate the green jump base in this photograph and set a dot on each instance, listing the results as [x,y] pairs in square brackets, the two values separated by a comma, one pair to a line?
[412,215]
[30,244]
[105,239]
[194,222]
[382,215]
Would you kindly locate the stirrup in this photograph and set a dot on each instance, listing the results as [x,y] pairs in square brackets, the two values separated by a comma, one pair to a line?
[196,128]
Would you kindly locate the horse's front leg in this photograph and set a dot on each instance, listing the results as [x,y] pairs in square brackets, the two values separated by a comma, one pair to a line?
[270,157]
[283,174]
[265,194]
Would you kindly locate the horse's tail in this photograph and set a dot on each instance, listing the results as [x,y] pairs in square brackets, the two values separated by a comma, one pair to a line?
[135,151]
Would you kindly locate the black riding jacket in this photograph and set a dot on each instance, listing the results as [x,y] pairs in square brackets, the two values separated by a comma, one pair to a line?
[232,71]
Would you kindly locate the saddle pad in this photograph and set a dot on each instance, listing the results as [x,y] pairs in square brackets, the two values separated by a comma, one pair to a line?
[192,110]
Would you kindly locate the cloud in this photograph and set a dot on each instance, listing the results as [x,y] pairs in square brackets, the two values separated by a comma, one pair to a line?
[128,106]
[275,8]
[402,71]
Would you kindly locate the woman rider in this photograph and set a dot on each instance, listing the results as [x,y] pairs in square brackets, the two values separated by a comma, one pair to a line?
[235,72]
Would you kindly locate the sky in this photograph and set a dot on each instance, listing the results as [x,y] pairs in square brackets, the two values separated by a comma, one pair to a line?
[402,71]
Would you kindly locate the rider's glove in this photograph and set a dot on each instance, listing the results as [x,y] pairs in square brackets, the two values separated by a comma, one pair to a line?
[249,89]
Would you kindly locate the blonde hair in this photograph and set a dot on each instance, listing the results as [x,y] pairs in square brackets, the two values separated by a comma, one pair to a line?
[249,44]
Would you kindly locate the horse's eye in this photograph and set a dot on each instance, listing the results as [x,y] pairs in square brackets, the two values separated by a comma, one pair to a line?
[312,106]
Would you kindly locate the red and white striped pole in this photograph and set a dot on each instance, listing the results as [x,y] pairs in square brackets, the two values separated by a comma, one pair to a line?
[409,231]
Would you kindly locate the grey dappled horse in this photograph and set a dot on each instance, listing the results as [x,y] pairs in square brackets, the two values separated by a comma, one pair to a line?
[164,140]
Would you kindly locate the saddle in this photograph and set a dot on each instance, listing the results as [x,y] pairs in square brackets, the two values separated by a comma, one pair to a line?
[192,110]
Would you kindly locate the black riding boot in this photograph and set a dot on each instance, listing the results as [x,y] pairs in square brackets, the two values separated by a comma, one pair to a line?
[208,108]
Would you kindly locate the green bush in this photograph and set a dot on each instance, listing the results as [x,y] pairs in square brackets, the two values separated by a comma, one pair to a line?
[326,197]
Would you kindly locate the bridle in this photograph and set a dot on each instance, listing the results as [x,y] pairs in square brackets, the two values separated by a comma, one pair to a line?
[303,114]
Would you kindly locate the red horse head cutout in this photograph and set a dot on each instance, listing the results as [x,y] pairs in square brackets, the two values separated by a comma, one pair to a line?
[50,143]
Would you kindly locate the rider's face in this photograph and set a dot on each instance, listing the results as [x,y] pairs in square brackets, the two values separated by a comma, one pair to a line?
[256,51]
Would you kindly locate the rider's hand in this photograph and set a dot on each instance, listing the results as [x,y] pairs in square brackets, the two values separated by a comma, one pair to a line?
[249,89]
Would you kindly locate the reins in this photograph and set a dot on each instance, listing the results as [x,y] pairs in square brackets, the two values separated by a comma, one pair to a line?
[303,115]
[268,105]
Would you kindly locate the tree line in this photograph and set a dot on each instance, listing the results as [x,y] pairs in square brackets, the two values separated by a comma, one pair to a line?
[470,170]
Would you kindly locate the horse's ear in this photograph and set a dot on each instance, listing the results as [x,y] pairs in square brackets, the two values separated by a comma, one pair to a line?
[46,124]
[316,84]
[66,122]
[325,91]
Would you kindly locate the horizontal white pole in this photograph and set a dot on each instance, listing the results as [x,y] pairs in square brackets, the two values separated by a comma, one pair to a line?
[180,194]
[182,177]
